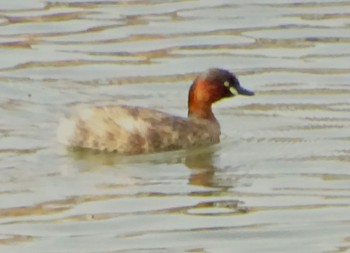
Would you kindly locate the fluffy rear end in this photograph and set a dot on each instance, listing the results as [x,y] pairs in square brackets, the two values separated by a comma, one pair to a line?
[112,128]
[66,131]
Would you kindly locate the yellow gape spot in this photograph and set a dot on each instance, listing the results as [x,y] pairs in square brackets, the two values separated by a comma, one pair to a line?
[233,91]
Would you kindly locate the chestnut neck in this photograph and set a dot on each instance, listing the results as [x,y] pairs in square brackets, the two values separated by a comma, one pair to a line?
[200,111]
[199,102]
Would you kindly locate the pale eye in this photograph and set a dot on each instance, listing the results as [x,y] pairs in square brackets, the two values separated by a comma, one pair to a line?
[226,84]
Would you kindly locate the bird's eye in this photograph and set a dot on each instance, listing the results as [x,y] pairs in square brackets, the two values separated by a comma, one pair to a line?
[227,84]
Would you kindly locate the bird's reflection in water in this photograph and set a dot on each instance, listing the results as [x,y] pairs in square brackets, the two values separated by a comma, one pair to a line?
[200,161]
[202,166]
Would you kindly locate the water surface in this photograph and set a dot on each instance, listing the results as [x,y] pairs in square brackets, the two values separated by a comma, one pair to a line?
[278,182]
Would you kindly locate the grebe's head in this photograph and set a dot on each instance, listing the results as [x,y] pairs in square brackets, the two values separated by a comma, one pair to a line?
[215,84]
[209,87]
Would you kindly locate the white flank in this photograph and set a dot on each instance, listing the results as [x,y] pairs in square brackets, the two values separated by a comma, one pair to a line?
[132,125]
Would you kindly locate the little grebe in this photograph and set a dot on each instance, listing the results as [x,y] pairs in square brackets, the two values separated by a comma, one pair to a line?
[135,130]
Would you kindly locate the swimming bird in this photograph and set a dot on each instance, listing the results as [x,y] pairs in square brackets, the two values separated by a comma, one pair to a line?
[136,130]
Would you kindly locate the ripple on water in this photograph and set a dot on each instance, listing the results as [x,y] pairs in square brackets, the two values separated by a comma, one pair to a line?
[22,5]
[52,28]
[306,33]
[127,46]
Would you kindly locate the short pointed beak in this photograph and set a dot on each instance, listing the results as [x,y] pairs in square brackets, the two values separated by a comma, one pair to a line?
[242,91]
